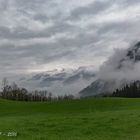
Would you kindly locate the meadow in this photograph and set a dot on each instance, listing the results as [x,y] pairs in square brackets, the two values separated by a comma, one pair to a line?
[85,119]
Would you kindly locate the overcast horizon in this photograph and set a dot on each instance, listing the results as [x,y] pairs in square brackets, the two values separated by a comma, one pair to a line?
[42,35]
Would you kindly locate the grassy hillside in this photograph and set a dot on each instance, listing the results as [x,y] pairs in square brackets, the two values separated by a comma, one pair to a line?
[91,119]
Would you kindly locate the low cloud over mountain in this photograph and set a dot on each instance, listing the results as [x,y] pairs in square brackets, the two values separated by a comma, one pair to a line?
[59,82]
[123,67]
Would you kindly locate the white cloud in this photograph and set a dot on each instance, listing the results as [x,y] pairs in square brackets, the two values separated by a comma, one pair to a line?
[43,34]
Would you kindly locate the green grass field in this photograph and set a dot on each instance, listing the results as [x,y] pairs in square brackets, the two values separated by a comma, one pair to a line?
[89,119]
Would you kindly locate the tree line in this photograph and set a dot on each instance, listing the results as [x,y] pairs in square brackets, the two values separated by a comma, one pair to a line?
[13,92]
[131,90]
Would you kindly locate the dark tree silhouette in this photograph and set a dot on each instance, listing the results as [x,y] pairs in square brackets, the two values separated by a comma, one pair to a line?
[13,92]
[132,90]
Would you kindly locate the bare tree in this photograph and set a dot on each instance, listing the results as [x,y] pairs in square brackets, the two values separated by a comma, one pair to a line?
[4,86]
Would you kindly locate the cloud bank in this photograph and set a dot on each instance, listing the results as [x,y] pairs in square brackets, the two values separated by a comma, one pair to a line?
[40,35]
[121,68]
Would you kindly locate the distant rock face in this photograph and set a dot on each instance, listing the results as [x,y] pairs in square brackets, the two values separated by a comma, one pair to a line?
[101,87]
[120,69]
[133,54]
[96,87]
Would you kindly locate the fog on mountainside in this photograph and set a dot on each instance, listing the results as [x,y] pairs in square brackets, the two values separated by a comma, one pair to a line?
[60,82]
[121,68]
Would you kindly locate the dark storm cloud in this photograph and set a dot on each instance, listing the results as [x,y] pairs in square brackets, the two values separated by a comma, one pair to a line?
[92,9]
[24,33]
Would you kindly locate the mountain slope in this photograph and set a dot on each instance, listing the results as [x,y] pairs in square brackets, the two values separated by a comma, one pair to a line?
[123,67]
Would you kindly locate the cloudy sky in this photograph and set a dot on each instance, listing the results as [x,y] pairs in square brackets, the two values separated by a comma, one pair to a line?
[40,35]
